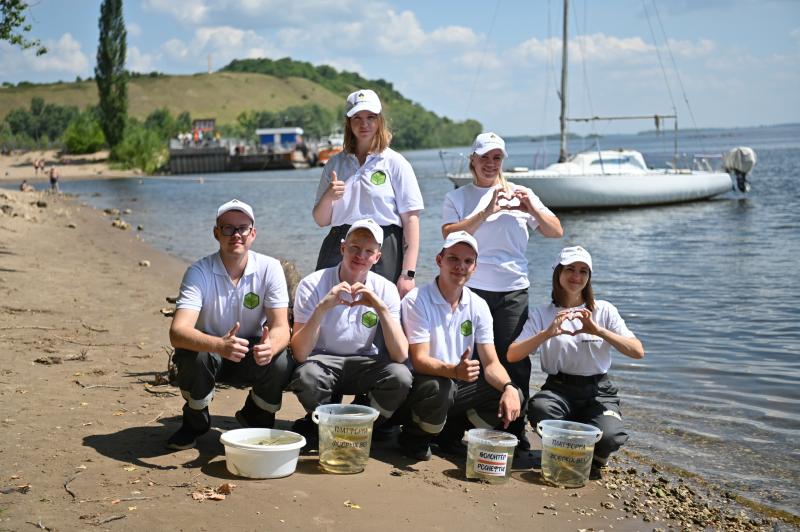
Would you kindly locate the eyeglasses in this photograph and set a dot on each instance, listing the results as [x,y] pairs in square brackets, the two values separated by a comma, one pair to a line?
[230,230]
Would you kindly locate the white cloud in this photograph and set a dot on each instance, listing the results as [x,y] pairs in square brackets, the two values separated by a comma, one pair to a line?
[223,43]
[194,12]
[139,62]
[398,33]
[702,48]
[458,35]
[175,49]
[63,57]
[133,29]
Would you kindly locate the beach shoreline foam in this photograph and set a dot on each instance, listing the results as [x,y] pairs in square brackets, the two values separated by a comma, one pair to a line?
[85,418]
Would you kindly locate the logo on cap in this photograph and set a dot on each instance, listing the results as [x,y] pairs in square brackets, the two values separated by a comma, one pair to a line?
[466,327]
[369,319]
[251,300]
[378,178]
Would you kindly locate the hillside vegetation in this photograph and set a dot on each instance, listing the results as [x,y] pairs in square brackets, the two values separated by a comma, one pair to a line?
[221,95]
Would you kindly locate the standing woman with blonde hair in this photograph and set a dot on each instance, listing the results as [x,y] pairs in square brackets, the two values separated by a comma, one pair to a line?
[500,215]
[368,179]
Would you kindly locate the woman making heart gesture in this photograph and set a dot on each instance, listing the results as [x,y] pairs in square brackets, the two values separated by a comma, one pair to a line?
[500,215]
[574,335]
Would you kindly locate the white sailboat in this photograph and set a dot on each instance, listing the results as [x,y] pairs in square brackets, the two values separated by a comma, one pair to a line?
[622,178]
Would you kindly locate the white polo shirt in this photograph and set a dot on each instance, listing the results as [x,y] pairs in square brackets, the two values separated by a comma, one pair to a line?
[582,354]
[427,317]
[344,330]
[502,238]
[208,289]
[383,188]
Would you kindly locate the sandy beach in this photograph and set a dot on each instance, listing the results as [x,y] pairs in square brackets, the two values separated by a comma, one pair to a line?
[18,165]
[85,413]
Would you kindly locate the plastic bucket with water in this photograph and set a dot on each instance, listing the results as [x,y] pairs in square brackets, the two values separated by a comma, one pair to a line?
[490,454]
[345,436]
[567,450]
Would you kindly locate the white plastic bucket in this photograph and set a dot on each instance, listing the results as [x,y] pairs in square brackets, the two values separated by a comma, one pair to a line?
[490,454]
[245,457]
[345,436]
[567,450]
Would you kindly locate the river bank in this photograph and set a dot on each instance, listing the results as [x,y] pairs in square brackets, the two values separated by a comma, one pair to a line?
[19,165]
[85,416]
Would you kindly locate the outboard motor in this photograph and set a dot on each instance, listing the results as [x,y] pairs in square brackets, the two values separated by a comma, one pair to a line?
[739,162]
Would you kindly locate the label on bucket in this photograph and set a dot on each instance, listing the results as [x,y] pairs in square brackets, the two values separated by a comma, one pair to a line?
[347,436]
[491,463]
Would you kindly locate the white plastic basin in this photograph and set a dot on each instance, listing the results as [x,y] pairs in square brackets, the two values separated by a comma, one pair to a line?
[245,458]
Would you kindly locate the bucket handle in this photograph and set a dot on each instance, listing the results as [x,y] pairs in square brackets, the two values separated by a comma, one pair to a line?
[315,417]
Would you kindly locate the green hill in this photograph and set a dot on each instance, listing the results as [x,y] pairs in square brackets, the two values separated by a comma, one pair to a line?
[221,95]
[263,89]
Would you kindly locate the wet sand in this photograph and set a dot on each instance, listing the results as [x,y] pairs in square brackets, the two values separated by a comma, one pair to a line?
[85,414]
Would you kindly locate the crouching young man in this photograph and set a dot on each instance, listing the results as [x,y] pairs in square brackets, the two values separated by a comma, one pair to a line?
[231,324]
[443,320]
[337,314]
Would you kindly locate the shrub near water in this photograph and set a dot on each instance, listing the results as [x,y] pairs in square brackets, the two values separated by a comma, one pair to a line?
[84,135]
[140,148]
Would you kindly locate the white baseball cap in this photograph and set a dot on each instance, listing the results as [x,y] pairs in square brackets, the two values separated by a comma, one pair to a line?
[236,205]
[486,142]
[457,237]
[363,100]
[370,225]
[572,255]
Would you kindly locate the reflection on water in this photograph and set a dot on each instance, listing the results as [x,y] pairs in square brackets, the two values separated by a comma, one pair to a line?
[710,288]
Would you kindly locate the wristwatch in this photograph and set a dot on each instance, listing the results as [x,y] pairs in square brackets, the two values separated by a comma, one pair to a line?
[408,273]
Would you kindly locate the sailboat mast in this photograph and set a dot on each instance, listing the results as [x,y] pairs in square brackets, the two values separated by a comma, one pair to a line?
[565,38]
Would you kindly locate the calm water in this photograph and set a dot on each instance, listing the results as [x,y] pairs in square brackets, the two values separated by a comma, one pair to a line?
[710,287]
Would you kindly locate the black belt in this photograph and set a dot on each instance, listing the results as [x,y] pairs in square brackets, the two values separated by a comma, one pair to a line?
[566,378]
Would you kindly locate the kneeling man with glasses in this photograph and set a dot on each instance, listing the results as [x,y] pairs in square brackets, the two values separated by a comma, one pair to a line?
[231,324]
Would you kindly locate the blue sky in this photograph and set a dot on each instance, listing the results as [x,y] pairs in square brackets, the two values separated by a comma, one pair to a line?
[738,61]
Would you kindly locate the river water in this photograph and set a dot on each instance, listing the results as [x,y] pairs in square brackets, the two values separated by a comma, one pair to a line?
[710,287]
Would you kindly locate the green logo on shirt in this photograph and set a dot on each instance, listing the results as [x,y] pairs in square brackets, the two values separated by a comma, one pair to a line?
[251,300]
[369,319]
[378,178]
[466,328]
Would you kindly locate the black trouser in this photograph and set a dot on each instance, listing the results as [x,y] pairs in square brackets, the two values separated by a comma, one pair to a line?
[390,263]
[198,372]
[592,400]
[509,312]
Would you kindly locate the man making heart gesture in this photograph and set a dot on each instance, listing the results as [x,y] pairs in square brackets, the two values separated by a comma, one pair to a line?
[347,334]
[574,335]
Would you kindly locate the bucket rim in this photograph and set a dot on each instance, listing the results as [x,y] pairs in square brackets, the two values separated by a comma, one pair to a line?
[357,414]
[475,436]
[225,439]
[549,424]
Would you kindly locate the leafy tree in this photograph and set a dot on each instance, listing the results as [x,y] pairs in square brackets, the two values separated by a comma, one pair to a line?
[44,121]
[184,122]
[161,122]
[84,134]
[110,73]
[140,148]
[13,27]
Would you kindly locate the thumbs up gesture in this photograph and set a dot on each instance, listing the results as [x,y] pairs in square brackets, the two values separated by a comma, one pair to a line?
[233,347]
[336,187]
[466,369]
[262,351]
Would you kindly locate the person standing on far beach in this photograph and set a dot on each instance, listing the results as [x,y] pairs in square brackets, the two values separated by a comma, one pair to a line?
[338,312]
[54,175]
[444,320]
[370,180]
[231,324]
[574,335]
[500,215]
